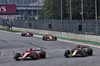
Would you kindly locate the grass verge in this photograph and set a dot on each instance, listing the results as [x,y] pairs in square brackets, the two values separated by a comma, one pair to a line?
[10,30]
[81,41]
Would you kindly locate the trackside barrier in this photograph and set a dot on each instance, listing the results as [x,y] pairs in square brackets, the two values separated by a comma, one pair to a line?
[92,38]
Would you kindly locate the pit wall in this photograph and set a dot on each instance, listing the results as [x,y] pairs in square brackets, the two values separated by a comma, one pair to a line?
[92,38]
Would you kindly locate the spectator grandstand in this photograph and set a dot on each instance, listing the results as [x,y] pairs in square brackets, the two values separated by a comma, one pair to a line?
[24,8]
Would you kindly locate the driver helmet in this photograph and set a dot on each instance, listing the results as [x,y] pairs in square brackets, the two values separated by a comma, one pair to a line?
[31,49]
[79,46]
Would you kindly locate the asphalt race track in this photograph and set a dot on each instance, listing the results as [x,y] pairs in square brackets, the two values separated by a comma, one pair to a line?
[11,43]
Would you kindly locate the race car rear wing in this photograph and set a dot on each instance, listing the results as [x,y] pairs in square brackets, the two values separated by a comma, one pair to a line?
[85,46]
[37,49]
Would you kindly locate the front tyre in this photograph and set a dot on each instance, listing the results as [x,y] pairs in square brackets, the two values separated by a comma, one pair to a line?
[44,38]
[22,34]
[17,56]
[67,52]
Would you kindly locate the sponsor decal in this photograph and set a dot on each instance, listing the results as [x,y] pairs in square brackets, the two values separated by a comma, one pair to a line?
[7,9]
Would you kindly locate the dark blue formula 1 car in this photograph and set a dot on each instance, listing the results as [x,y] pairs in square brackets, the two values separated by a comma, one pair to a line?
[80,50]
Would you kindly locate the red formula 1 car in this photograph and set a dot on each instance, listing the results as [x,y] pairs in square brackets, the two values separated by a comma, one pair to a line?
[31,54]
[26,33]
[80,50]
[49,37]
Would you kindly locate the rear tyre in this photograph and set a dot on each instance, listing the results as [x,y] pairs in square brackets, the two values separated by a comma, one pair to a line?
[67,52]
[31,34]
[34,56]
[43,54]
[55,38]
[17,56]
[90,51]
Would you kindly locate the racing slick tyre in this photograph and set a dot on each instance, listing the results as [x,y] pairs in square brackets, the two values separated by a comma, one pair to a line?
[34,56]
[17,56]
[83,53]
[21,34]
[89,51]
[24,34]
[55,38]
[43,54]
[67,52]
[31,34]
[43,37]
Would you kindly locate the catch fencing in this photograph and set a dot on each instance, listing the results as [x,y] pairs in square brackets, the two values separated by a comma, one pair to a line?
[91,27]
